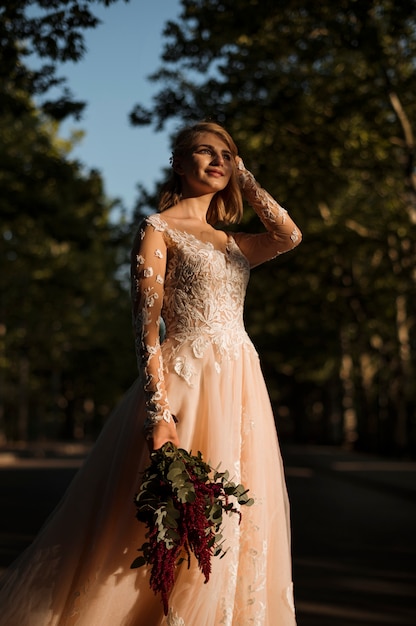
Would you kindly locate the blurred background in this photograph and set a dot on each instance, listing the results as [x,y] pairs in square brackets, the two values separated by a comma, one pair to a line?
[321,100]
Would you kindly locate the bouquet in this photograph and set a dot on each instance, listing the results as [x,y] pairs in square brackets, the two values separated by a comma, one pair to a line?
[182,501]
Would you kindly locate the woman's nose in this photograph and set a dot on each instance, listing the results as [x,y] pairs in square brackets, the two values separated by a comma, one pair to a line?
[218,158]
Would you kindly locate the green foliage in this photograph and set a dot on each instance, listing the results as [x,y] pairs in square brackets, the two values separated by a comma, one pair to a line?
[65,342]
[170,479]
[320,99]
[54,32]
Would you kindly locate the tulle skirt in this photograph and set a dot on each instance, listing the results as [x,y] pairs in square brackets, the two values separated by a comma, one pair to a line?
[77,571]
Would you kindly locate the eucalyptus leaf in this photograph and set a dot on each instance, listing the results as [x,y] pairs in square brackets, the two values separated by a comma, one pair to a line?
[138,562]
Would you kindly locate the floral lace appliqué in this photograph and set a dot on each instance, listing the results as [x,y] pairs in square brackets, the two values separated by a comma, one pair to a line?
[173,619]
[184,369]
[275,218]
[290,599]
[203,297]
[147,274]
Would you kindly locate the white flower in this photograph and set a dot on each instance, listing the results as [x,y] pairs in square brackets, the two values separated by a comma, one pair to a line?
[139,259]
[148,272]
[158,254]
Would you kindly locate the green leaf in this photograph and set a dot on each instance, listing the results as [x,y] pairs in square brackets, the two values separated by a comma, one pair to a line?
[138,562]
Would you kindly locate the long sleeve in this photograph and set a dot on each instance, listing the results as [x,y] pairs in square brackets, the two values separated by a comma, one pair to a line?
[148,267]
[281,234]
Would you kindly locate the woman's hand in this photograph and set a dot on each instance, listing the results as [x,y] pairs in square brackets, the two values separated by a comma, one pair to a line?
[242,173]
[239,163]
[162,433]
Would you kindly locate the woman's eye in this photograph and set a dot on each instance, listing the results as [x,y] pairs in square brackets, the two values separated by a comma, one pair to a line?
[226,156]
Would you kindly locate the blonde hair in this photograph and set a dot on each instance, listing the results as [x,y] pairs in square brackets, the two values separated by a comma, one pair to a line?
[227,205]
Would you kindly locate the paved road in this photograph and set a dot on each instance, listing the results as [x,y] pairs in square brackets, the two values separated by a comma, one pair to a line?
[353,519]
[354,538]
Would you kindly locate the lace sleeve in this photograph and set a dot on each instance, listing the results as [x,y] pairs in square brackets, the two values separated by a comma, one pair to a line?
[148,268]
[282,233]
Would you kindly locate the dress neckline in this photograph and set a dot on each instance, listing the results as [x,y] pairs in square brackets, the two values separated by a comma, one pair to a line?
[207,244]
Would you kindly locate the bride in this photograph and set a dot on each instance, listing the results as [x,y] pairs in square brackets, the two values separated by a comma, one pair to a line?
[200,387]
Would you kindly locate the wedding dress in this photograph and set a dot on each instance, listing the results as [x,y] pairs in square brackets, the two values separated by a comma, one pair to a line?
[206,372]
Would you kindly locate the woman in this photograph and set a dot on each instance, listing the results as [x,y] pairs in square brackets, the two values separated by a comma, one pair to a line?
[200,388]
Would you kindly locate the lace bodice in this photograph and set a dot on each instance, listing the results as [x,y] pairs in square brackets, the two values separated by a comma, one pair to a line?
[198,291]
[204,291]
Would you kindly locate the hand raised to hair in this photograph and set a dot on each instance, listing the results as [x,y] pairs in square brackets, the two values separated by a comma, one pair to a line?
[243,175]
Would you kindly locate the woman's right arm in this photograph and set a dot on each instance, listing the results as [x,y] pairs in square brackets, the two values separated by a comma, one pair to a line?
[148,268]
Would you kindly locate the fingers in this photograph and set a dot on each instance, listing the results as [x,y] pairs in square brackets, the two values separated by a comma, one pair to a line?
[239,163]
[162,433]
[158,442]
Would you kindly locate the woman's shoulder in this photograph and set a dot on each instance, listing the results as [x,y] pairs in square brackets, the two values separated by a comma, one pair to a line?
[156,221]
[150,229]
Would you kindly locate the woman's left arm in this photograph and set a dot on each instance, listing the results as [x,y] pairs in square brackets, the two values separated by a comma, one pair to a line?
[282,233]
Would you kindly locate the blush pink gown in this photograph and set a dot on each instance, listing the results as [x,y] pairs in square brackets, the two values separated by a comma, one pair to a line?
[206,372]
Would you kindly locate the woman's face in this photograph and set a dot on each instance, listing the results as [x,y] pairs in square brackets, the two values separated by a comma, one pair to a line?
[207,168]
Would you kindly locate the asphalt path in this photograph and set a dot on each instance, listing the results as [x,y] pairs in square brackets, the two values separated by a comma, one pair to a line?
[354,538]
[353,527]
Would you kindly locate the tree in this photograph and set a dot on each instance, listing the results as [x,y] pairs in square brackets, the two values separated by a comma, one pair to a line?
[322,95]
[65,342]
[53,31]
[66,348]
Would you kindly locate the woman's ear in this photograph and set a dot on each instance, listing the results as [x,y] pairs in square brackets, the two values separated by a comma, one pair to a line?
[176,165]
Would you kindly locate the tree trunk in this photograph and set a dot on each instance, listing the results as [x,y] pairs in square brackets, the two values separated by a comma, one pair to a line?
[23,400]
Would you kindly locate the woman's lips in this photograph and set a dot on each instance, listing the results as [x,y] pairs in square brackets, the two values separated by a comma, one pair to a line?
[216,173]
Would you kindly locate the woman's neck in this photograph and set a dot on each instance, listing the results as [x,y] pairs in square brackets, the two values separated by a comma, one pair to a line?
[195,207]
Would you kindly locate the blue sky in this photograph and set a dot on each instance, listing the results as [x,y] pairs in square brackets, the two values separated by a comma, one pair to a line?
[111,78]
